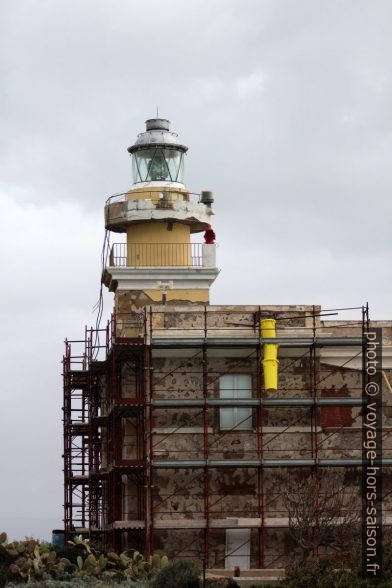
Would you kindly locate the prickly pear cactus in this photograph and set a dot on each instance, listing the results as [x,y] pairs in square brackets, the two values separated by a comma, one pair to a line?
[31,560]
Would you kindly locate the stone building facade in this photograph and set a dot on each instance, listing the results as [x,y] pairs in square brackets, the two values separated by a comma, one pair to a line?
[191,455]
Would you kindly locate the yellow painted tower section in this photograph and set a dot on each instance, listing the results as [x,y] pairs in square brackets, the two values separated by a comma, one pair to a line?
[153,244]
[162,243]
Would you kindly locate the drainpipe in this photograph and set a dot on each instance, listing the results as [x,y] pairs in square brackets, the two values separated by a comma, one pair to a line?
[270,351]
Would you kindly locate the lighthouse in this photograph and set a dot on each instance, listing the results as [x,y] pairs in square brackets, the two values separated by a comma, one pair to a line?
[160,262]
[176,425]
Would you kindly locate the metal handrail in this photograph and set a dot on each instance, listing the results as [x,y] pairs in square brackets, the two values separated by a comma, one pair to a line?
[169,195]
[156,255]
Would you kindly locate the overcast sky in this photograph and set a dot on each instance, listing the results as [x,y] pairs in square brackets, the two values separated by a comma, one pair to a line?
[286,109]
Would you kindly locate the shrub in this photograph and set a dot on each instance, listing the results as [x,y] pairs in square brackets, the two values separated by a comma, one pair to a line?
[321,573]
[77,563]
[180,573]
[86,582]
[335,572]
[71,552]
[222,583]
[5,562]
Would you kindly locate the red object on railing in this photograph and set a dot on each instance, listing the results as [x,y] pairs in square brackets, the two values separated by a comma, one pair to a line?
[209,236]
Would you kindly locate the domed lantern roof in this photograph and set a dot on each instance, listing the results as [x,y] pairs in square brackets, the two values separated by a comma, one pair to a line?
[157,155]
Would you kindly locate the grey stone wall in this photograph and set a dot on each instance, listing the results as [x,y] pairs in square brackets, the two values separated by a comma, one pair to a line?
[286,431]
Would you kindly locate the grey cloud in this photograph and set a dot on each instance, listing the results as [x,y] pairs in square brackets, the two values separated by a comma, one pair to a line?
[286,108]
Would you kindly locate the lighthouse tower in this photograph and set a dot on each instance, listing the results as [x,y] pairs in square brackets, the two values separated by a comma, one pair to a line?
[159,263]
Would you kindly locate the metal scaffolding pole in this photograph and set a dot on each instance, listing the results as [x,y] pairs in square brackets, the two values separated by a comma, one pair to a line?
[149,392]
[266,463]
[260,449]
[179,342]
[206,454]
[314,427]
[256,402]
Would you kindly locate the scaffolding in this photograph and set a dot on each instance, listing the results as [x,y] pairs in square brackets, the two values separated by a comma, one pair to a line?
[139,446]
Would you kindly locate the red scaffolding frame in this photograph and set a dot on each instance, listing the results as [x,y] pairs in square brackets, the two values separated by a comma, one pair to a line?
[95,406]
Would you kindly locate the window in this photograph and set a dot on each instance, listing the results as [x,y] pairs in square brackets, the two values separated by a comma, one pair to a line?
[158,164]
[236,386]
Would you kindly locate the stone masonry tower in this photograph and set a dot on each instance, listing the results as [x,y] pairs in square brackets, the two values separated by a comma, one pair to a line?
[159,262]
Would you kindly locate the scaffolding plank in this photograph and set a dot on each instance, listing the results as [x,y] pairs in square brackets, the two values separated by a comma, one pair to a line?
[210,341]
[226,523]
[249,402]
[266,463]
[127,525]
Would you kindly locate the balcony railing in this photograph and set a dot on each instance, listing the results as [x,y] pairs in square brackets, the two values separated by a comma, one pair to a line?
[160,199]
[158,255]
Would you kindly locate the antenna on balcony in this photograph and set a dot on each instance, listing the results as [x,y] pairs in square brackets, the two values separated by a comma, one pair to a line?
[164,287]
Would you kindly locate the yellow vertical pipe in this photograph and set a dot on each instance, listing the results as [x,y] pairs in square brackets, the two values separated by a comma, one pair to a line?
[270,360]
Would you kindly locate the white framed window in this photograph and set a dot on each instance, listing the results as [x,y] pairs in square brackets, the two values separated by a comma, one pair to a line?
[236,386]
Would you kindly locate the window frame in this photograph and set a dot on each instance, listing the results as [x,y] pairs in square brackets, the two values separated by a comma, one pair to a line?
[238,422]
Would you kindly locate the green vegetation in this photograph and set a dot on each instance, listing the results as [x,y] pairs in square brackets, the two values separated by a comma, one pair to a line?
[180,573]
[330,572]
[87,582]
[81,564]
[78,563]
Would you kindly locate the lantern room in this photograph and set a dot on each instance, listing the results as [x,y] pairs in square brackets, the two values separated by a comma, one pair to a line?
[157,155]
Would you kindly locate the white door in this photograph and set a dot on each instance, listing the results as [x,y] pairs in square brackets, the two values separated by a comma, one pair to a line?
[237,548]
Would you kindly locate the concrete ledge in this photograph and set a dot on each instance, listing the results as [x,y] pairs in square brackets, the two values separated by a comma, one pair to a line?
[227,523]
[147,278]
[250,573]
[119,215]
[248,578]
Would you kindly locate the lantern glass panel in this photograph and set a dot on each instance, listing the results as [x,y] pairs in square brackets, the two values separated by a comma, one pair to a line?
[157,164]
